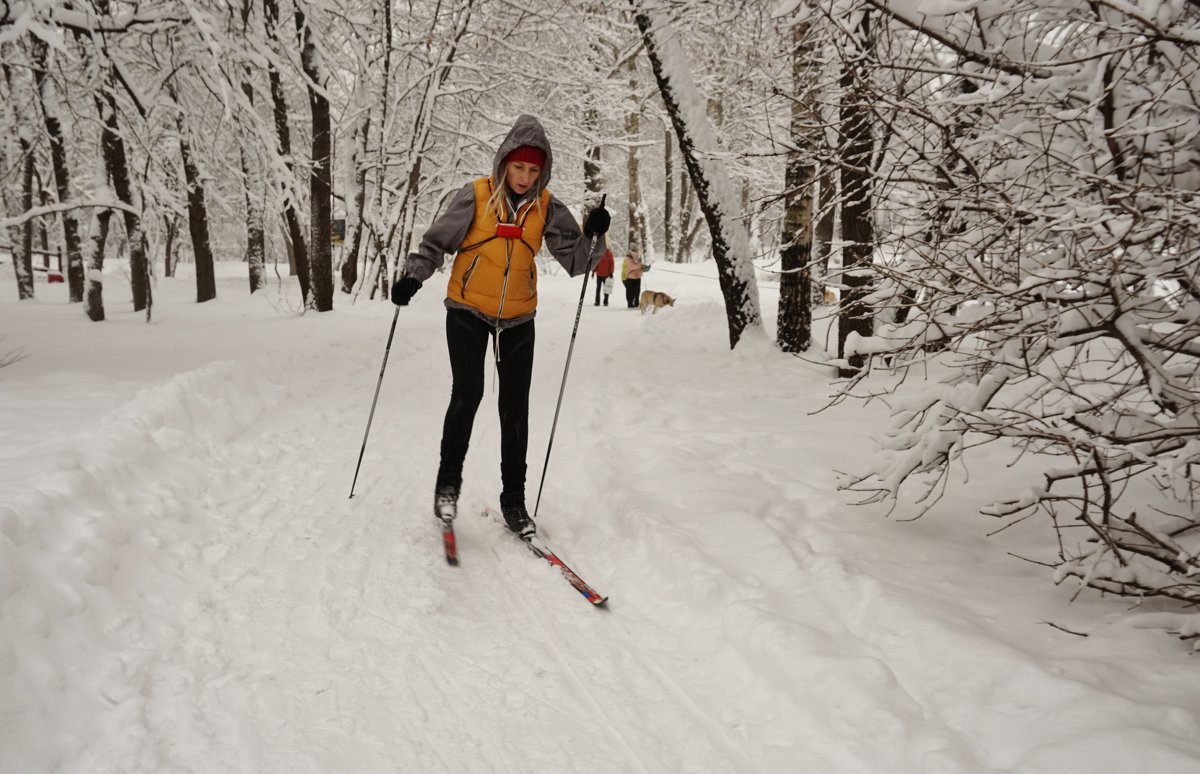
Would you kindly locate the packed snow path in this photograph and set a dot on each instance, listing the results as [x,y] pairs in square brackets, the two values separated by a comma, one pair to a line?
[186,587]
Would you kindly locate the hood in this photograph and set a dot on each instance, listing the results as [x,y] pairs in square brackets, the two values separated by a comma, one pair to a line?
[526,131]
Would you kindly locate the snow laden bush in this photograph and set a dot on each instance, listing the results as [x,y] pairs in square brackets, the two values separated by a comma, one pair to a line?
[1039,167]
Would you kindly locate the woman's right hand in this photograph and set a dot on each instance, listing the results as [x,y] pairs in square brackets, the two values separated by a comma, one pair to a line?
[404,289]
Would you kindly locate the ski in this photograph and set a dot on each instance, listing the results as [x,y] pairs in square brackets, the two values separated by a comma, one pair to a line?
[541,549]
[449,543]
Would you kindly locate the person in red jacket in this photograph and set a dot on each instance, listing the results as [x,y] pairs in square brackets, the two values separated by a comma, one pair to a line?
[604,271]
[494,227]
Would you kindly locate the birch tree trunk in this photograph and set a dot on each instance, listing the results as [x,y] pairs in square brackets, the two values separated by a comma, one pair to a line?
[698,146]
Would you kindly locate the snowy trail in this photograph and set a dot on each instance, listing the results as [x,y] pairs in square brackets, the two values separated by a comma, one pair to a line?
[316,619]
[185,585]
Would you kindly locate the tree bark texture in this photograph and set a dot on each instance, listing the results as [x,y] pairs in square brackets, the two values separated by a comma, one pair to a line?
[858,232]
[794,332]
[23,261]
[256,242]
[206,283]
[355,225]
[295,235]
[670,248]
[321,178]
[94,299]
[823,229]
[117,164]
[62,174]
[636,231]
[170,226]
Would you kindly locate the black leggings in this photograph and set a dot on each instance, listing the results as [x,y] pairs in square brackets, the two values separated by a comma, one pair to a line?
[633,289]
[467,341]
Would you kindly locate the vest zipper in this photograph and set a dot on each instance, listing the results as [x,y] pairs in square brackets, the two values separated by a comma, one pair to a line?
[504,285]
[503,293]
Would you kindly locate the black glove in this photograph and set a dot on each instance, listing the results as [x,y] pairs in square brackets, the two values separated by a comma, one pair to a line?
[597,222]
[404,289]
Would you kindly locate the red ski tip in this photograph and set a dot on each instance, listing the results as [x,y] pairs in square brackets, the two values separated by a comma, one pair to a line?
[449,543]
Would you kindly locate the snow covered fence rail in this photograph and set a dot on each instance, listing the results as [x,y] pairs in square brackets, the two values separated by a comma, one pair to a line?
[53,275]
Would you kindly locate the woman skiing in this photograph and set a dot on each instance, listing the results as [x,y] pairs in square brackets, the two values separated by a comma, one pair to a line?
[495,226]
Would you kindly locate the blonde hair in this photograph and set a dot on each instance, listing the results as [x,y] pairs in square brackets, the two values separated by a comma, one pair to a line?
[499,199]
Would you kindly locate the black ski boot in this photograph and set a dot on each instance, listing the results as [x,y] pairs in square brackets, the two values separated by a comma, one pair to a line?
[517,519]
[445,502]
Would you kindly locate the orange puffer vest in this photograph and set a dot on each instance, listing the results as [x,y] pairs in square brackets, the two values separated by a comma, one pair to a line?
[494,274]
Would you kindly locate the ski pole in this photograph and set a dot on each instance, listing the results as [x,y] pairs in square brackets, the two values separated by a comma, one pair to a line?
[371,417]
[567,367]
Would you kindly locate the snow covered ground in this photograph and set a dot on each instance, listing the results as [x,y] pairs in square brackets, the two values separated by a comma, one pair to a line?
[186,587]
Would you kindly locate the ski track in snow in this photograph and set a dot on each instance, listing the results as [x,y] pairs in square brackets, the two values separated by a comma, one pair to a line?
[192,583]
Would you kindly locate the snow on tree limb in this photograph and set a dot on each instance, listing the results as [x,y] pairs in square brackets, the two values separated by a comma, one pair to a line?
[704,159]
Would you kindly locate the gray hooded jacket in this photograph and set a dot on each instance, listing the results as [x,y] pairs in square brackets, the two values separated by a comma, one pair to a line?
[562,235]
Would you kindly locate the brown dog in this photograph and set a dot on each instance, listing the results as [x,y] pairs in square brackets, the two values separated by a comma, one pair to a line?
[654,300]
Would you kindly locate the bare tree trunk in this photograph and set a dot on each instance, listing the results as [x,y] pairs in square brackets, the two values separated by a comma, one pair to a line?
[794,332]
[23,263]
[298,251]
[858,232]
[256,242]
[321,193]
[43,200]
[255,192]
[823,230]
[62,174]
[355,225]
[94,300]
[206,283]
[117,165]
[379,281]
[669,196]
[20,237]
[730,243]
[170,225]
[636,226]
